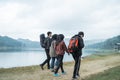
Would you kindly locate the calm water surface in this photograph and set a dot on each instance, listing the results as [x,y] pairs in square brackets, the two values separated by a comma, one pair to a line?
[26,58]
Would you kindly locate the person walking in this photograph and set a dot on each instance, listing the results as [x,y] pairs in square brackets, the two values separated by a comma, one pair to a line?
[52,52]
[47,43]
[60,51]
[77,55]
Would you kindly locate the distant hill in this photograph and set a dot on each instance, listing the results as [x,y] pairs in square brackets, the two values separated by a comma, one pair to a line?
[86,42]
[7,43]
[29,44]
[26,44]
[90,42]
[107,44]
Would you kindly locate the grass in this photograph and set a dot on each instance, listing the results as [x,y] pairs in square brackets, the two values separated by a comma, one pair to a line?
[110,74]
[96,61]
[101,55]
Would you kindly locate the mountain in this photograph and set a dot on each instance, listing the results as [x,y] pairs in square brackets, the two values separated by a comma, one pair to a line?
[86,42]
[7,43]
[26,44]
[90,42]
[107,44]
[29,44]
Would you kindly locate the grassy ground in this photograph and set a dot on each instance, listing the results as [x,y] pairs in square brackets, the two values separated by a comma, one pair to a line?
[90,65]
[110,74]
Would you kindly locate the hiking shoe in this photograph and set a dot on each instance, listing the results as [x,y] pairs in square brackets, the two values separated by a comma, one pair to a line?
[63,73]
[56,75]
[78,76]
[41,66]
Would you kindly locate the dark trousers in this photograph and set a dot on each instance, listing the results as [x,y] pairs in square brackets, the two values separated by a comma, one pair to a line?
[47,60]
[77,59]
[59,64]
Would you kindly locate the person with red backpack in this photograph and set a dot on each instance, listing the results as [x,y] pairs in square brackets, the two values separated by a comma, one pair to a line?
[60,49]
[75,48]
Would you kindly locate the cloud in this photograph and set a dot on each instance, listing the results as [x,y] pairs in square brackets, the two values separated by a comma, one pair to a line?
[29,18]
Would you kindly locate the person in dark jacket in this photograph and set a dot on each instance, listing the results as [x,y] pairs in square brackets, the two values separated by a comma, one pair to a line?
[77,55]
[60,49]
[47,42]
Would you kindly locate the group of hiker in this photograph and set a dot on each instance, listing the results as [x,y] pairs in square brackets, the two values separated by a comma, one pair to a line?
[55,49]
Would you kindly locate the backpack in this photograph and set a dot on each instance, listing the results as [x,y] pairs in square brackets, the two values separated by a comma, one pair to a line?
[73,45]
[42,40]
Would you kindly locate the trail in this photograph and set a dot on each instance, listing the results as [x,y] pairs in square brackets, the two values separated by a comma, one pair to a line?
[88,67]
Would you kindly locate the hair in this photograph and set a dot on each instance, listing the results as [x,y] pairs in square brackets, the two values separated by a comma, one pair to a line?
[54,37]
[59,38]
[49,32]
[81,33]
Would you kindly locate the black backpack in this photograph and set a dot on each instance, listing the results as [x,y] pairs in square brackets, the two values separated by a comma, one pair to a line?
[42,40]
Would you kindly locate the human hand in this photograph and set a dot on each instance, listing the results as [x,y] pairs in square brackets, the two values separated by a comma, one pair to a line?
[68,53]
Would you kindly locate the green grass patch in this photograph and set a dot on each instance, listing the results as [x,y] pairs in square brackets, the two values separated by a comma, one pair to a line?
[18,70]
[110,74]
[101,56]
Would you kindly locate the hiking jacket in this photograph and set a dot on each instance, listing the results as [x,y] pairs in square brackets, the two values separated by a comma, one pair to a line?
[61,48]
[47,42]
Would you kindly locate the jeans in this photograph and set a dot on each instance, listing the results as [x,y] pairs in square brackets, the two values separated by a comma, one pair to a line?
[52,62]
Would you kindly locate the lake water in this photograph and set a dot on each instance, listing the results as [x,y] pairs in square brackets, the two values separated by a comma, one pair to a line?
[27,58]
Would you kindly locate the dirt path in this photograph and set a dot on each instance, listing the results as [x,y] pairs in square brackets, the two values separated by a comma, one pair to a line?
[91,67]
[88,67]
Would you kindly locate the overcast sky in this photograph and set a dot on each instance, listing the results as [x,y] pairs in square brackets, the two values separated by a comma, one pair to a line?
[99,19]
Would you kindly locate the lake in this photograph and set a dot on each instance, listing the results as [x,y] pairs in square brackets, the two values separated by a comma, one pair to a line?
[27,58]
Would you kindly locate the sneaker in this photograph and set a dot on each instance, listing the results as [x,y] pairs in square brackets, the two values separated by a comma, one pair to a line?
[63,73]
[77,76]
[56,75]
[41,66]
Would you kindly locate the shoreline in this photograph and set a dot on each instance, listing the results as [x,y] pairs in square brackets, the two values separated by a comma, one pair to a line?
[22,59]
[99,62]
[82,58]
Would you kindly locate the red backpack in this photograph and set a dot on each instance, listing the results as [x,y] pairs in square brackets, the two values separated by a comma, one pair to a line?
[73,45]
